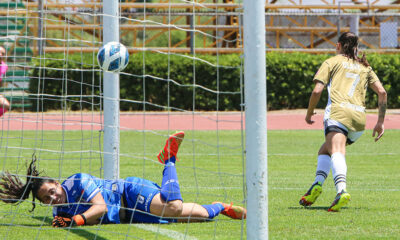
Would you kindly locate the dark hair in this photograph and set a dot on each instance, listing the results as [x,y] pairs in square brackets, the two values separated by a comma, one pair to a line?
[13,191]
[349,42]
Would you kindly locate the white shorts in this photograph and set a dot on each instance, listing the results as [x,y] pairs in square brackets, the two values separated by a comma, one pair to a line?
[335,126]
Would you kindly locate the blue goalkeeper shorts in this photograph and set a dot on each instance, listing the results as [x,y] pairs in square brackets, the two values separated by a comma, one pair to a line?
[138,194]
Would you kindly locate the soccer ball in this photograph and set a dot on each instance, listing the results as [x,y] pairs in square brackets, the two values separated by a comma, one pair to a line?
[113,57]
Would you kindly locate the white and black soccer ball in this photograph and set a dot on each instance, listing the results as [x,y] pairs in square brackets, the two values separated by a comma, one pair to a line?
[113,57]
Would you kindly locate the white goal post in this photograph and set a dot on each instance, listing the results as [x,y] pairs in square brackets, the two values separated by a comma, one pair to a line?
[256,123]
[255,100]
[66,114]
[111,94]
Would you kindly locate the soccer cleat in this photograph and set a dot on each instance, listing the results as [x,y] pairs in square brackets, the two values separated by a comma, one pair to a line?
[171,147]
[341,200]
[233,211]
[311,195]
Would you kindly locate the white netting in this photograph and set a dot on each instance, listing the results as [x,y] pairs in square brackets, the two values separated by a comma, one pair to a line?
[55,89]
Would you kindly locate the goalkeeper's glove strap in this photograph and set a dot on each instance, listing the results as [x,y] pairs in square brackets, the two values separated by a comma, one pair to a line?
[79,219]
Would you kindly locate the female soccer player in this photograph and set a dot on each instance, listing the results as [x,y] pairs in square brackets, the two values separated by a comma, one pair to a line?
[347,78]
[4,104]
[85,200]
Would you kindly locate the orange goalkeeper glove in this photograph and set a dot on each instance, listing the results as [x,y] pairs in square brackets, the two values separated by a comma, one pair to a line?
[77,220]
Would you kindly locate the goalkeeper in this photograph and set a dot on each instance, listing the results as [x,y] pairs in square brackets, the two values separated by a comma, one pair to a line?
[86,200]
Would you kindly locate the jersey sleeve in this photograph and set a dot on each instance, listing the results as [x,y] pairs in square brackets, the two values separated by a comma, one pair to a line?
[371,78]
[55,211]
[323,74]
[89,187]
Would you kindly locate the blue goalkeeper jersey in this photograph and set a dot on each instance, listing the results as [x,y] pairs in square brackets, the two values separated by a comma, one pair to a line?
[80,188]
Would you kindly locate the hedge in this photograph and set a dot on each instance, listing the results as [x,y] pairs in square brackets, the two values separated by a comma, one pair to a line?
[60,84]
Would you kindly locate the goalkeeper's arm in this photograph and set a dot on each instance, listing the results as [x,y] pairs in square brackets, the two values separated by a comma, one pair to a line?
[90,217]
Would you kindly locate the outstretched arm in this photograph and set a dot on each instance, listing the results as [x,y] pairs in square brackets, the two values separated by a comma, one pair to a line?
[382,104]
[90,217]
[96,211]
[314,99]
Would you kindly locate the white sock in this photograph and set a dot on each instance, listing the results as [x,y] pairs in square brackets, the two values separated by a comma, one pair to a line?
[339,171]
[323,168]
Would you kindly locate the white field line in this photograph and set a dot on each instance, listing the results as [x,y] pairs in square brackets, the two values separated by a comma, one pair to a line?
[347,154]
[214,188]
[165,232]
[294,188]
[352,189]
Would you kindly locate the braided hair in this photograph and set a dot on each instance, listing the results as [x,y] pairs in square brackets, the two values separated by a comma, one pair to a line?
[13,191]
[349,42]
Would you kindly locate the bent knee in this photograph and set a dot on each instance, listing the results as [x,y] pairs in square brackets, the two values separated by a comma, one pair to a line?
[174,208]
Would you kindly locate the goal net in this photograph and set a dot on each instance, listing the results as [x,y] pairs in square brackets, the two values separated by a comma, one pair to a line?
[185,73]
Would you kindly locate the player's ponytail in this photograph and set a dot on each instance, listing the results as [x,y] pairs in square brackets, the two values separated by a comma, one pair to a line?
[349,42]
[13,191]
[363,60]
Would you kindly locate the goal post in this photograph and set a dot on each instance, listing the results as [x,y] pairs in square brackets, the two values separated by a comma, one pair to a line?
[73,122]
[256,123]
[111,95]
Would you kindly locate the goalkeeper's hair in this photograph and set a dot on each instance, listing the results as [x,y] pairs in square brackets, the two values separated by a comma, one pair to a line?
[349,42]
[13,191]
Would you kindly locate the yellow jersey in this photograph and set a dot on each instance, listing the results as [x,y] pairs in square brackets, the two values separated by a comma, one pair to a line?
[347,81]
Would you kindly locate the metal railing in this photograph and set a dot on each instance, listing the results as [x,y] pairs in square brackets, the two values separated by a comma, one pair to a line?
[207,27]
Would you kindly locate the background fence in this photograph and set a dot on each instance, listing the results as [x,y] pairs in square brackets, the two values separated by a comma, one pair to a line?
[203,27]
[210,27]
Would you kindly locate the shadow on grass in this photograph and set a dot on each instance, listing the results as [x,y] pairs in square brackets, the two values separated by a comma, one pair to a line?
[78,231]
[313,208]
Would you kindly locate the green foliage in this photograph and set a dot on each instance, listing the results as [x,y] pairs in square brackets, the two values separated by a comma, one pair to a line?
[183,79]
[211,83]
[58,79]
[289,79]
[387,67]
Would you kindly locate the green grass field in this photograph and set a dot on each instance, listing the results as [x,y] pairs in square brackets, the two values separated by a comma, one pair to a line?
[208,173]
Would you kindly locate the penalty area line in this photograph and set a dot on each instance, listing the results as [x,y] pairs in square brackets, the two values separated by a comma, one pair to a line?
[165,232]
[353,189]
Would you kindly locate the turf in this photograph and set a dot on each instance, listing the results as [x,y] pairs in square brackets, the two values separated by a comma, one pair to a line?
[372,181]
[208,173]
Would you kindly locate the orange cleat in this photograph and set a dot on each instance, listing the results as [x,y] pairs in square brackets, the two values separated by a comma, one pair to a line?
[233,211]
[171,147]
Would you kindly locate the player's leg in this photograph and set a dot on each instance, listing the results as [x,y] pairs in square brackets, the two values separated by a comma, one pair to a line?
[339,167]
[323,165]
[323,168]
[197,213]
[183,211]
[169,209]
[169,202]
[170,190]
[194,212]
[4,105]
[336,144]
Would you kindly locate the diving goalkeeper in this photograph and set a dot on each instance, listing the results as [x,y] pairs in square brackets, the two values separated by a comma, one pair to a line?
[83,199]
